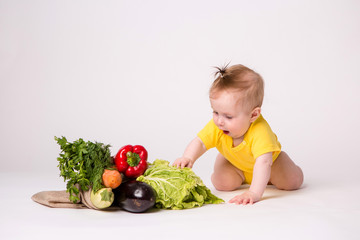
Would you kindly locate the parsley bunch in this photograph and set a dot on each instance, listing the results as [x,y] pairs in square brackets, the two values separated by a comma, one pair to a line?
[82,163]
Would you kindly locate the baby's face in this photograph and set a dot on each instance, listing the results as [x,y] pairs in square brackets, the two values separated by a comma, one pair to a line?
[229,114]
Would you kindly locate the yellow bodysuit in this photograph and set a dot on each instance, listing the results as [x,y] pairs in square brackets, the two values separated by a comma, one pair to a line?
[258,140]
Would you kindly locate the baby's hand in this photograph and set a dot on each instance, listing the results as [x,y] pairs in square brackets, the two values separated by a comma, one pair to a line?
[183,162]
[247,197]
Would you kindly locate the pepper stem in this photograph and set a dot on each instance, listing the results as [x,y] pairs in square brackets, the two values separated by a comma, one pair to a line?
[133,159]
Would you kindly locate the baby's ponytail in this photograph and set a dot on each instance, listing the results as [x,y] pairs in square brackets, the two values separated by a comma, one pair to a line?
[221,71]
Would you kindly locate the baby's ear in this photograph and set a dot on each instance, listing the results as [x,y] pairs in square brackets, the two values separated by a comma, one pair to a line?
[255,114]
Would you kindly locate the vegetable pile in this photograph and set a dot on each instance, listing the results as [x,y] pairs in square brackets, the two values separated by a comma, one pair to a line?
[177,188]
[127,180]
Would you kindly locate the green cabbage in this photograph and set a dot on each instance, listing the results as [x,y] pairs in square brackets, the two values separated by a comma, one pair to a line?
[177,188]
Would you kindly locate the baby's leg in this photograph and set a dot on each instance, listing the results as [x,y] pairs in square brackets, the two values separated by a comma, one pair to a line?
[285,174]
[226,177]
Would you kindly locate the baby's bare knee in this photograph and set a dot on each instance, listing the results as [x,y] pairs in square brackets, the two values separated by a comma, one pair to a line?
[224,183]
[292,183]
[298,180]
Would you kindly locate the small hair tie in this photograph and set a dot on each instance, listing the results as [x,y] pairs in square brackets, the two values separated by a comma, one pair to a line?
[222,72]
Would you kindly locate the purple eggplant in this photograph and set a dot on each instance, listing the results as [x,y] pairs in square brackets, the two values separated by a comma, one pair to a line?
[135,196]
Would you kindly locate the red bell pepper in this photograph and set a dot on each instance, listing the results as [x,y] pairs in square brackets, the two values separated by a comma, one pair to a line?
[131,160]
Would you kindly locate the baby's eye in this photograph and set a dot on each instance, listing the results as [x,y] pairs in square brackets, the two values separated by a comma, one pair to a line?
[216,113]
[228,117]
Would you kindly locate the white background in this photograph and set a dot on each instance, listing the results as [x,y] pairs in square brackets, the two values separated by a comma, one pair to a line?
[138,72]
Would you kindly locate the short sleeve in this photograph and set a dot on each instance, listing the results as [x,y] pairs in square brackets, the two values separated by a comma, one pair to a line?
[208,135]
[264,140]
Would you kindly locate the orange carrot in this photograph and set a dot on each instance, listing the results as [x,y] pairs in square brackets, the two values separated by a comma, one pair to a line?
[111,178]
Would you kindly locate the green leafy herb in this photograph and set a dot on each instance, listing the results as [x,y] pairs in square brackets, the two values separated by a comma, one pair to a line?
[82,163]
[177,188]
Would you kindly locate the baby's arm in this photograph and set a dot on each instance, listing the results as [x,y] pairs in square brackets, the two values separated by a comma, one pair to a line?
[261,177]
[193,151]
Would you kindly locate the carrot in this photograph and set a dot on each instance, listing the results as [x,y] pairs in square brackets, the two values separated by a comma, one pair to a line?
[111,178]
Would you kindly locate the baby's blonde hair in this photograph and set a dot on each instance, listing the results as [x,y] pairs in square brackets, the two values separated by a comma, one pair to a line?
[242,79]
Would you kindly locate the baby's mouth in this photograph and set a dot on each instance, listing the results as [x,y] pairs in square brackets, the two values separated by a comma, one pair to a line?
[226,132]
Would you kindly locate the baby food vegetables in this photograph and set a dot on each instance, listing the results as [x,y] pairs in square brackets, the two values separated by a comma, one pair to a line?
[131,160]
[89,165]
[111,178]
[176,188]
[103,198]
[82,163]
[134,196]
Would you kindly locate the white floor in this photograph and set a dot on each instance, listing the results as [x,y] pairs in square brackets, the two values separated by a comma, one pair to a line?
[320,210]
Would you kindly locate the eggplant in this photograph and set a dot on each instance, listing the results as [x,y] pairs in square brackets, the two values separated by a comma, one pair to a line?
[135,196]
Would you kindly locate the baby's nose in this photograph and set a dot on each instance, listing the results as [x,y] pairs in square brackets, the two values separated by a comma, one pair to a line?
[221,121]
